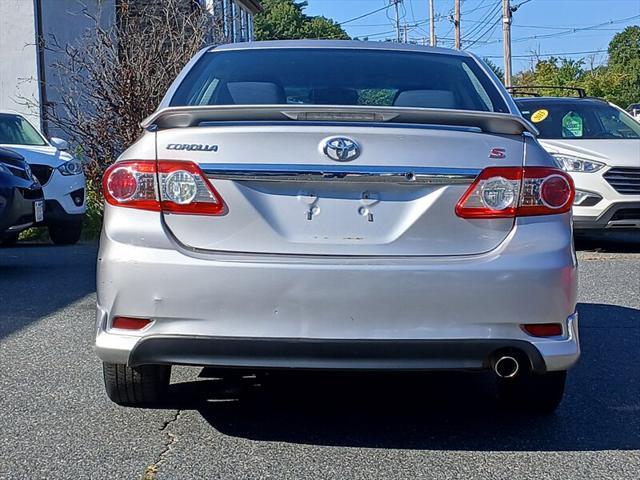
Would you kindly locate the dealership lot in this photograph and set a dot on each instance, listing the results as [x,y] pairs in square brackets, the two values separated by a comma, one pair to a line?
[58,423]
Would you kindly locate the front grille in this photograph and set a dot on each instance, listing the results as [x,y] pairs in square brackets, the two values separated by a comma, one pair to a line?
[42,173]
[31,193]
[627,214]
[625,180]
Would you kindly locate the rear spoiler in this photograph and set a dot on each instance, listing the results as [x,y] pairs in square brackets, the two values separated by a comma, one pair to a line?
[490,122]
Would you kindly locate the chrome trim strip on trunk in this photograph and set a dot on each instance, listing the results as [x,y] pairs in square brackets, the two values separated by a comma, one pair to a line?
[340,173]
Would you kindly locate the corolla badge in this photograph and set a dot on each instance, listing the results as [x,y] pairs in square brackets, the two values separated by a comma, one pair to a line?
[341,149]
[192,147]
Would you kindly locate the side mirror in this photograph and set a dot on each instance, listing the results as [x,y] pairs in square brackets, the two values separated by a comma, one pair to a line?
[59,143]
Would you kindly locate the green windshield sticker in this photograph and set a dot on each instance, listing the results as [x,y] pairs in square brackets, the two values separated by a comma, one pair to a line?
[572,125]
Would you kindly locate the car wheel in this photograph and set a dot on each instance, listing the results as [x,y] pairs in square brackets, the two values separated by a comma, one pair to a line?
[9,240]
[533,393]
[65,234]
[145,385]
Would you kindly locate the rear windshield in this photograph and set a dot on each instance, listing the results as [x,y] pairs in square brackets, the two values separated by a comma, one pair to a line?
[313,76]
[15,130]
[577,119]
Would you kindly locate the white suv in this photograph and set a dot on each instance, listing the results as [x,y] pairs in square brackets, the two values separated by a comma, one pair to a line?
[60,174]
[599,145]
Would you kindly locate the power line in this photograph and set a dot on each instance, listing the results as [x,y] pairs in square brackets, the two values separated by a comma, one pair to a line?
[560,54]
[366,14]
[482,22]
[571,30]
[487,34]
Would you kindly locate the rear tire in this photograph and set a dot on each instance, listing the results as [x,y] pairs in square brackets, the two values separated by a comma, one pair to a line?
[145,385]
[533,393]
[65,233]
[9,240]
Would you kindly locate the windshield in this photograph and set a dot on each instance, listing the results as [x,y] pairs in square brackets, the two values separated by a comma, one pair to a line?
[15,130]
[587,120]
[319,76]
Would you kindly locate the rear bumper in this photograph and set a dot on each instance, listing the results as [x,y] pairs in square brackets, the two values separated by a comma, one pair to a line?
[327,353]
[327,312]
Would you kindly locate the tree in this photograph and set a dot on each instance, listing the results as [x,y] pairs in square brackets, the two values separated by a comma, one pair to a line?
[115,76]
[625,46]
[495,68]
[324,28]
[618,81]
[624,66]
[285,20]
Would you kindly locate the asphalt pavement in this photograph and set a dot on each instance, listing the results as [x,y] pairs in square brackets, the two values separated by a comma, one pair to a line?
[56,422]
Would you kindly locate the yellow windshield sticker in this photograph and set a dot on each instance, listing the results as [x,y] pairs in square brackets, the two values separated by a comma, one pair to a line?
[539,115]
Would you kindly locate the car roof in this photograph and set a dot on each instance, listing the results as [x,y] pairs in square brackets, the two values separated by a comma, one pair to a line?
[10,112]
[559,100]
[347,44]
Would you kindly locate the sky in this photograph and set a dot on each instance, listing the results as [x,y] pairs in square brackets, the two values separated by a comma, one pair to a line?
[570,28]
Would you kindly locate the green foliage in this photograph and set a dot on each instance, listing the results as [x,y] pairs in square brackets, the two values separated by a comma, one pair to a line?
[377,97]
[617,82]
[92,225]
[285,20]
[323,28]
[495,68]
[625,46]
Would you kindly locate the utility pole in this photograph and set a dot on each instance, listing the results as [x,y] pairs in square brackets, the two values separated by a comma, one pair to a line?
[395,4]
[432,25]
[456,24]
[506,40]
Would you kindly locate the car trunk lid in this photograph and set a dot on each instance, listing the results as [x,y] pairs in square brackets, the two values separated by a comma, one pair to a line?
[284,195]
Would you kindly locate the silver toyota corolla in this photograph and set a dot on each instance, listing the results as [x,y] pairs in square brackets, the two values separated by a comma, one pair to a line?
[337,205]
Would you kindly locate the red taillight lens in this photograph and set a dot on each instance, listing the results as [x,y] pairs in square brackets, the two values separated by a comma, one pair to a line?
[555,191]
[128,323]
[170,186]
[543,329]
[506,192]
[132,184]
[122,184]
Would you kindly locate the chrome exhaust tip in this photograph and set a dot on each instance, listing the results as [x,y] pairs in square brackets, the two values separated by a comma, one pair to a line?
[506,367]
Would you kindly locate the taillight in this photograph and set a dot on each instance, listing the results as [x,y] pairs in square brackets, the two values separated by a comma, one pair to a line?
[185,189]
[170,186]
[507,192]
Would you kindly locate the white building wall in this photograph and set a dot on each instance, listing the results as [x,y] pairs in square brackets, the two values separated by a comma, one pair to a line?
[66,21]
[18,57]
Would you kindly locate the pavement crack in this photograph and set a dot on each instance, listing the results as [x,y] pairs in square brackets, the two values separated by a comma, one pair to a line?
[171,438]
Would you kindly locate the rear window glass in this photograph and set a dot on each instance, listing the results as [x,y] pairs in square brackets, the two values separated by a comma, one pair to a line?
[314,76]
[578,119]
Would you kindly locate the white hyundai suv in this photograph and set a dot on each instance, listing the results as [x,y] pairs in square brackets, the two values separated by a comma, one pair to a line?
[61,175]
[599,145]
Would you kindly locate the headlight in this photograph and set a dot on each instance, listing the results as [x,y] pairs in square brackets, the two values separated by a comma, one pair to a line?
[72,167]
[569,163]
